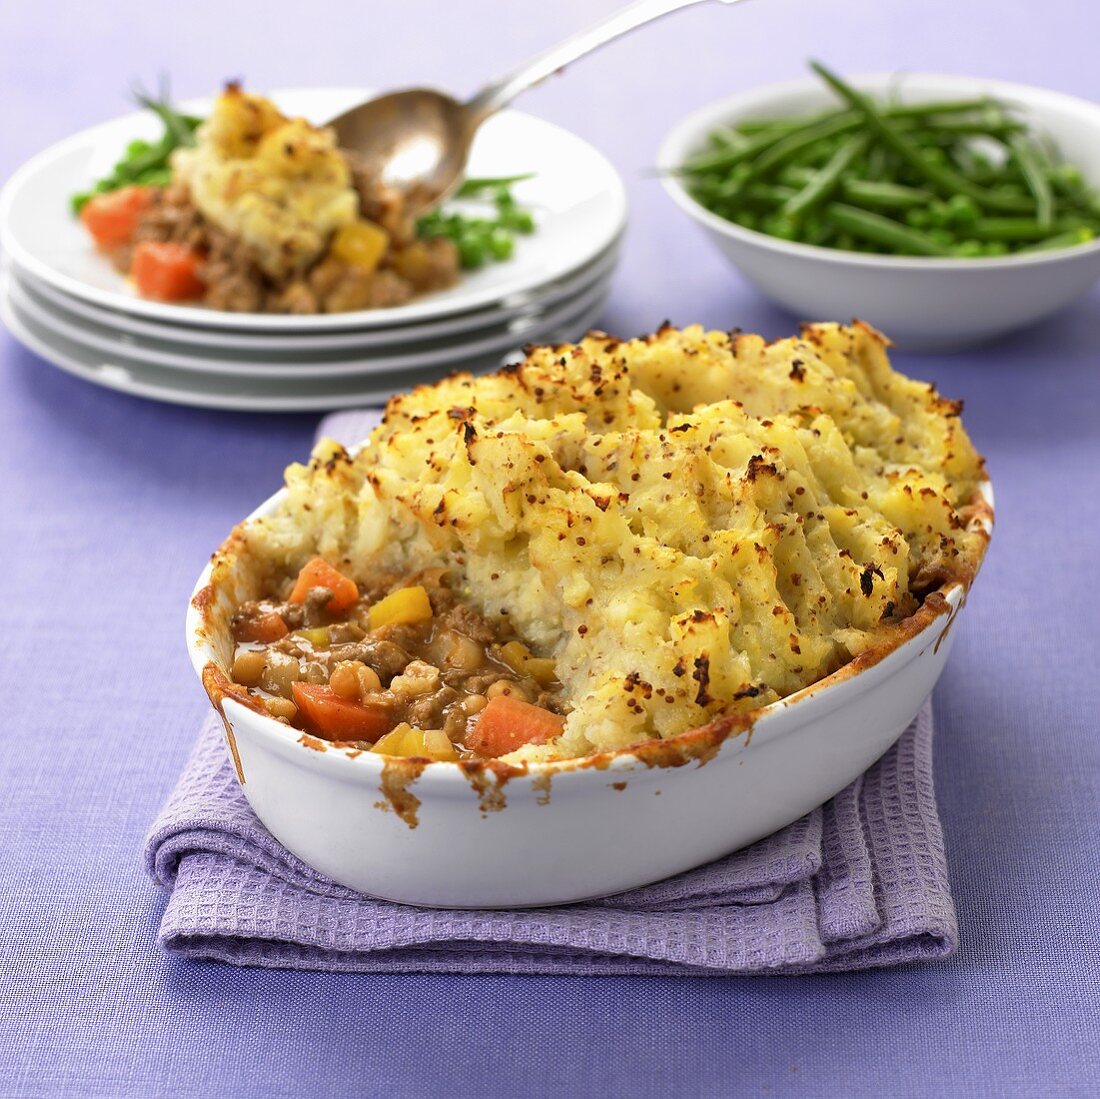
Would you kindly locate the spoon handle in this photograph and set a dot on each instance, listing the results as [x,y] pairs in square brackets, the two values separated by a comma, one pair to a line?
[503,90]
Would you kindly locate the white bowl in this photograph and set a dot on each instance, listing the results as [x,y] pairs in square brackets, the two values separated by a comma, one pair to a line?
[924,303]
[488,835]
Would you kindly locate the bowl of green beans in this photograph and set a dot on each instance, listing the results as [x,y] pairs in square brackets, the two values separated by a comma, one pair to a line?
[944,210]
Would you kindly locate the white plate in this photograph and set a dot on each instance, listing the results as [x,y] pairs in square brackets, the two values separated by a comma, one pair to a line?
[176,386]
[517,306]
[439,356]
[577,196]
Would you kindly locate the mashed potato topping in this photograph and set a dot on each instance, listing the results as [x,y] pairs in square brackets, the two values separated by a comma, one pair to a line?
[278,184]
[687,524]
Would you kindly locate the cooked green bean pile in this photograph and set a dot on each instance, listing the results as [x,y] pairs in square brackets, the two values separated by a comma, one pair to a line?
[481,239]
[940,178]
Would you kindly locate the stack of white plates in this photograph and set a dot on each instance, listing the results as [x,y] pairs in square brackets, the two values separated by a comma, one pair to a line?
[65,301]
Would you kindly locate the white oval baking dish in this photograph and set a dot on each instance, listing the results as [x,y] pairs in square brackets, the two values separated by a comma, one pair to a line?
[492,836]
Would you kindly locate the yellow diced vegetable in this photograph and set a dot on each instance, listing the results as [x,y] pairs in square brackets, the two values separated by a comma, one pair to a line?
[438,746]
[361,244]
[542,670]
[317,636]
[402,607]
[516,655]
[407,741]
[413,262]
[404,740]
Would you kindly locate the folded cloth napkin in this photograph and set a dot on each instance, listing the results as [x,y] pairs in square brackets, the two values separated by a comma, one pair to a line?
[860,882]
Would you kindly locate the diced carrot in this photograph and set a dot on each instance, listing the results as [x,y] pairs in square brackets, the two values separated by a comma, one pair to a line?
[111,218]
[334,717]
[318,573]
[264,628]
[167,271]
[507,723]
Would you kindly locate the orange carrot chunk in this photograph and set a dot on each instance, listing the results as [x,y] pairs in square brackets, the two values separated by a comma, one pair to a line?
[318,573]
[507,723]
[334,717]
[166,271]
[264,628]
[111,218]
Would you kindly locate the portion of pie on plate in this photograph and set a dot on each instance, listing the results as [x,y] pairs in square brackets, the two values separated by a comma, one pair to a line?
[255,212]
[608,543]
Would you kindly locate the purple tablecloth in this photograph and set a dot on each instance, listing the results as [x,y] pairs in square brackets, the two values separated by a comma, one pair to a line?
[110,505]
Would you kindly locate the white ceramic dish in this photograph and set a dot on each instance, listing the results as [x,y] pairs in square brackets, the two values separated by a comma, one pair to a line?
[923,303]
[438,356]
[203,390]
[516,307]
[484,836]
[576,194]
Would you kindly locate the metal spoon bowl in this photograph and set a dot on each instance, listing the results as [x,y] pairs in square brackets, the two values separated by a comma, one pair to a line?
[418,141]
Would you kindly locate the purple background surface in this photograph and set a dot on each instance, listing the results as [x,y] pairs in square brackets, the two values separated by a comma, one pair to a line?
[110,505]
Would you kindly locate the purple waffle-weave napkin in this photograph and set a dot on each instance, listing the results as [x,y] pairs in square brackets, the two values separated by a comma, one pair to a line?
[860,882]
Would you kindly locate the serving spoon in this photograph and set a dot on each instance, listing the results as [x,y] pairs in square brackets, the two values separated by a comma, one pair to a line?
[417,141]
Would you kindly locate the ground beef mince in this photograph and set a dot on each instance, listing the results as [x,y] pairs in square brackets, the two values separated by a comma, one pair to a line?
[235,282]
[397,664]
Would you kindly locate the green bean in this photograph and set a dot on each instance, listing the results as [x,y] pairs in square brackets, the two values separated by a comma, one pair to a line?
[934,107]
[888,196]
[179,128]
[974,127]
[826,180]
[882,230]
[795,175]
[1037,182]
[729,158]
[951,178]
[770,194]
[940,175]
[750,127]
[1080,235]
[786,147]
[475,185]
[1021,229]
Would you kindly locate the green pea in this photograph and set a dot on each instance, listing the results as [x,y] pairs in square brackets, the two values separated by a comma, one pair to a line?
[156,177]
[962,210]
[502,244]
[1067,177]
[521,220]
[969,249]
[939,214]
[471,252]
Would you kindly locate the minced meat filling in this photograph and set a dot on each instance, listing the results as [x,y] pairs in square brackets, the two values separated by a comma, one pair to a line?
[402,666]
[234,281]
